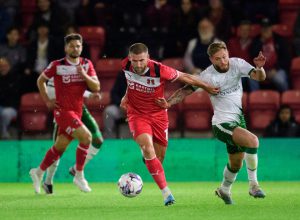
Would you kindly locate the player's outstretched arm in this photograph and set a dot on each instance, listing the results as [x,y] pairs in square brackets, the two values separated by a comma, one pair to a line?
[92,82]
[41,84]
[195,81]
[259,73]
[176,97]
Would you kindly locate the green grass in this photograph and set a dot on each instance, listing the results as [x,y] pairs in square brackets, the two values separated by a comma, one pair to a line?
[193,201]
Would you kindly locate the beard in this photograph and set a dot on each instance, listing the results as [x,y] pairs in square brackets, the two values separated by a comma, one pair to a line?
[74,55]
[222,70]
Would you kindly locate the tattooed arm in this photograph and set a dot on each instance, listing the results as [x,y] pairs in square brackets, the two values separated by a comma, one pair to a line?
[176,97]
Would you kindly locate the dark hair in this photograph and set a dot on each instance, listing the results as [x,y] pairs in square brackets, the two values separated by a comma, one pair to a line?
[71,37]
[285,106]
[138,48]
[12,28]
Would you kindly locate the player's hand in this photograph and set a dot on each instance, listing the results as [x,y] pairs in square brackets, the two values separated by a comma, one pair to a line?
[52,104]
[81,70]
[212,90]
[260,60]
[95,96]
[162,102]
[124,103]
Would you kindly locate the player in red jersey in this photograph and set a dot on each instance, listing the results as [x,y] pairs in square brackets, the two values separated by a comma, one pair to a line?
[72,76]
[147,121]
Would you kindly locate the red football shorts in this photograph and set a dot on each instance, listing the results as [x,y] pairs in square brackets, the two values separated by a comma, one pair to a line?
[68,122]
[158,129]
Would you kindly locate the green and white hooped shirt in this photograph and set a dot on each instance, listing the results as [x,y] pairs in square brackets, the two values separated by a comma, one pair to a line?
[227,104]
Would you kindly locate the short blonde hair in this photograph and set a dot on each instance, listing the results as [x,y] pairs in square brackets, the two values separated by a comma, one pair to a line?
[215,47]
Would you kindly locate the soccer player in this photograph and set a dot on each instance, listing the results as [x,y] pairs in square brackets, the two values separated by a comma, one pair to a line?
[147,121]
[88,120]
[228,120]
[72,76]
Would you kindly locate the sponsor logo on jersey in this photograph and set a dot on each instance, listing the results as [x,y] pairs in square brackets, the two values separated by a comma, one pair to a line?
[229,90]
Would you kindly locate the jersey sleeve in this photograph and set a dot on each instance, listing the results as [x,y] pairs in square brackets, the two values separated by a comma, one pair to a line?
[50,71]
[91,71]
[244,68]
[168,73]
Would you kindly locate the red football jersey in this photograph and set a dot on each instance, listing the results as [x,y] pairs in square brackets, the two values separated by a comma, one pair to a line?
[142,90]
[69,85]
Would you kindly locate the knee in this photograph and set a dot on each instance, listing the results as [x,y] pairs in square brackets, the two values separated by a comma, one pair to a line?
[86,138]
[148,151]
[253,141]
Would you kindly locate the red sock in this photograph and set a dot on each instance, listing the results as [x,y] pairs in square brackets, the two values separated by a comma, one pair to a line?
[157,171]
[51,156]
[81,153]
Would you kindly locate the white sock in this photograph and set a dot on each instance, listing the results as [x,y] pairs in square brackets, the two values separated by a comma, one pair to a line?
[228,179]
[40,172]
[92,151]
[51,172]
[79,174]
[166,192]
[251,163]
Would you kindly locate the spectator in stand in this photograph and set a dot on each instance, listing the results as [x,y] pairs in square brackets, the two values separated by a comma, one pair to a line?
[195,58]
[127,27]
[239,46]
[297,35]
[12,50]
[113,113]
[220,17]
[9,96]
[159,21]
[276,51]
[284,124]
[40,53]
[48,12]
[185,26]
[69,7]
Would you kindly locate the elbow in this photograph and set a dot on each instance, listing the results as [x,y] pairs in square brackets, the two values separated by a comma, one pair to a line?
[96,88]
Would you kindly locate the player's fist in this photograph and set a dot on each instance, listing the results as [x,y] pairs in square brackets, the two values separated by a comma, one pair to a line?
[124,103]
[260,60]
[162,102]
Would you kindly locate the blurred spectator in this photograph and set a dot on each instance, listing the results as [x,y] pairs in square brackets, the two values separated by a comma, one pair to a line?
[94,12]
[185,26]
[113,113]
[256,10]
[12,50]
[196,58]
[9,10]
[159,20]
[127,27]
[297,35]
[284,124]
[239,46]
[40,53]
[9,96]
[276,51]
[69,7]
[53,15]
[220,17]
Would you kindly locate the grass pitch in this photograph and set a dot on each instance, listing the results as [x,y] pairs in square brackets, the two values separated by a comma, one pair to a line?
[194,200]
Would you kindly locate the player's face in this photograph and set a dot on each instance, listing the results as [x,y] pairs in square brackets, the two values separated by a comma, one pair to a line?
[73,49]
[139,62]
[220,60]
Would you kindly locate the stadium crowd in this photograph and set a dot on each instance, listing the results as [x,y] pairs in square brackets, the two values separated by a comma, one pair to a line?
[32,31]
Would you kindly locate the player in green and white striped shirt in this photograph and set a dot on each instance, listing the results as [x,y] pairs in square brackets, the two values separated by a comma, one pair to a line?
[228,120]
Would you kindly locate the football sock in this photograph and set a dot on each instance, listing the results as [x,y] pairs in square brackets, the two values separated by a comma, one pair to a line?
[51,156]
[166,192]
[81,154]
[157,171]
[251,163]
[228,179]
[51,172]
[92,151]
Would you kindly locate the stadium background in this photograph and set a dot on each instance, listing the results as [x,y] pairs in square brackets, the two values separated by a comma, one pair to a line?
[108,41]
